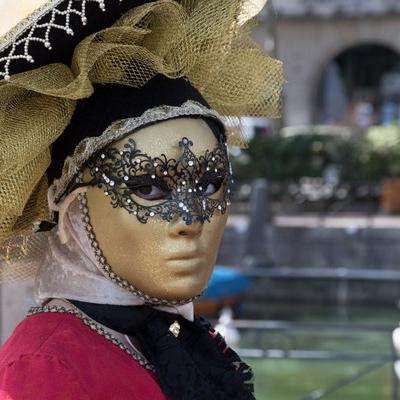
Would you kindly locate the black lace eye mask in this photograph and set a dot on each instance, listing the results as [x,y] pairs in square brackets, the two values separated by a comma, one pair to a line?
[191,187]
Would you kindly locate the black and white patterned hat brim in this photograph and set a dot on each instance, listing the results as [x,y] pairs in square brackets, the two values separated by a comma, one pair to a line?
[50,34]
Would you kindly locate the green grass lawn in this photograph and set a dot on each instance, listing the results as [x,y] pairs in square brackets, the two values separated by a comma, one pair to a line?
[294,380]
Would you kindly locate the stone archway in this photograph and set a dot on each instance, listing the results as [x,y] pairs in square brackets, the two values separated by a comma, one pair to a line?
[307,45]
[359,86]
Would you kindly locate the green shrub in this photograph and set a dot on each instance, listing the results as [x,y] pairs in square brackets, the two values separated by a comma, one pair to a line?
[289,158]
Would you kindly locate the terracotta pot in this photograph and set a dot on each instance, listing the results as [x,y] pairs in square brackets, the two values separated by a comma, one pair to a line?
[390,199]
[210,308]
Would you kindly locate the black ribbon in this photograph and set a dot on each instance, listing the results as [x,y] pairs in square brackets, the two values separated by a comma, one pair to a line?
[196,365]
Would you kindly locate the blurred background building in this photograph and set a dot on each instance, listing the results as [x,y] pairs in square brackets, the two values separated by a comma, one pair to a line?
[316,218]
[341,60]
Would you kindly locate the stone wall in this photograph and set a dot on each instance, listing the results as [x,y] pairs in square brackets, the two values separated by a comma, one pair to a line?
[313,247]
[304,247]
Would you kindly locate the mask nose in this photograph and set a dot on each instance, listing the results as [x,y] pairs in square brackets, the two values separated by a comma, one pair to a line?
[179,228]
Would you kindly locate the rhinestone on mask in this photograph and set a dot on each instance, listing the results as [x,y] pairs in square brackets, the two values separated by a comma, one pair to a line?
[183,180]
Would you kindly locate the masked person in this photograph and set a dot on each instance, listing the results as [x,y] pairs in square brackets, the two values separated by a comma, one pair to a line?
[116,184]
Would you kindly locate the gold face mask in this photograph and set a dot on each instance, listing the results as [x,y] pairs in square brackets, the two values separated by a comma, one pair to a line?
[168,256]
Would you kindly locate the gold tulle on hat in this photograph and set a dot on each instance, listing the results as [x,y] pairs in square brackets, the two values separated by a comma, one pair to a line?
[204,41]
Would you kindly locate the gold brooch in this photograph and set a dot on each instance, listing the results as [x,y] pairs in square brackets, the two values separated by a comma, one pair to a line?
[175,329]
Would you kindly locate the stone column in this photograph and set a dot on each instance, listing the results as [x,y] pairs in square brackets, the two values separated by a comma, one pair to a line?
[15,300]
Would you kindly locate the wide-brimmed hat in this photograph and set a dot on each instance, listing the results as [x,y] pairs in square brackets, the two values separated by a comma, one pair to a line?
[54,58]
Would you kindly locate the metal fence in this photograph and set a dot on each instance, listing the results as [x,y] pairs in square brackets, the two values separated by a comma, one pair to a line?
[375,360]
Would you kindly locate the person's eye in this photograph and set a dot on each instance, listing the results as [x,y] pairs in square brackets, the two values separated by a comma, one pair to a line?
[147,187]
[213,186]
[150,192]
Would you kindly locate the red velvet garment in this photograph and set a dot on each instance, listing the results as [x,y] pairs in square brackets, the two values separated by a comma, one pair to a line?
[54,356]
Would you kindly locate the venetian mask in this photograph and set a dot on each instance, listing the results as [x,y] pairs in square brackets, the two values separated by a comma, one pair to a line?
[157,205]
